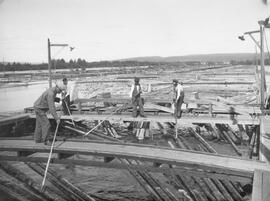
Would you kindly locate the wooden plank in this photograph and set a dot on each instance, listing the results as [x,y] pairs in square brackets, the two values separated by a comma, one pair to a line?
[257,188]
[13,119]
[162,118]
[158,107]
[264,154]
[190,159]
[266,186]
[182,170]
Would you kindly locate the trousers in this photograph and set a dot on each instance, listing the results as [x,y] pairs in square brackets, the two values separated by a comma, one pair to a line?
[135,103]
[178,105]
[42,130]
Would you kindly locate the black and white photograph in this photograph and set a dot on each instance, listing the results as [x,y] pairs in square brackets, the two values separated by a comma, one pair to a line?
[134,100]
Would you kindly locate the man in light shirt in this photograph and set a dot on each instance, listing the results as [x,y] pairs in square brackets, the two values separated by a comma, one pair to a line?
[136,99]
[178,97]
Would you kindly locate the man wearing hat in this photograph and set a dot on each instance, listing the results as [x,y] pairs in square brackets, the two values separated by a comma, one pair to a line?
[136,99]
[42,105]
[178,97]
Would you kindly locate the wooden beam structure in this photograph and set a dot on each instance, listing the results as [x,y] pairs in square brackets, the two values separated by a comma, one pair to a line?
[13,119]
[241,119]
[203,164]
[154,100]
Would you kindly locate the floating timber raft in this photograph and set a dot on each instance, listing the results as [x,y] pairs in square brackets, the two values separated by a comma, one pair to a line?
[225,176]
[217,151]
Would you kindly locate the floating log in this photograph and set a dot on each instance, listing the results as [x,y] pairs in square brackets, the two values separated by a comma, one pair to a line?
[184,182]
[223,190]
[231,133]
[220,127]
[148,188]
[233,192]
[15,192]
[243,133]
[205,144]
[62,184]
[215,192]
[27,181]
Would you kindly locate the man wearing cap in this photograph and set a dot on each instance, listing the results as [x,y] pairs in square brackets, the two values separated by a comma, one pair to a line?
[43,104]
[178,97]
[136,99]
[66,100]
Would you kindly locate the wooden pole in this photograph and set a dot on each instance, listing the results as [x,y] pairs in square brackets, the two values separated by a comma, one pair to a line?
[49,63]
[49,158]
[262,66]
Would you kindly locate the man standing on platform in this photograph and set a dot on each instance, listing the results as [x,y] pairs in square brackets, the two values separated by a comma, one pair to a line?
[42,105]
[136,98]
[178,97]
[66,100]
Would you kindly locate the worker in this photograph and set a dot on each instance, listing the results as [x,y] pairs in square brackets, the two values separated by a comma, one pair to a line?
[66,99]
[136,98]
[43,104]
[178,98]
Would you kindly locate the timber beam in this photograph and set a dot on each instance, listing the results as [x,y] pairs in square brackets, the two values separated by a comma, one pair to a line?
[191,161]
[240,119]
[13,119]
[176,170]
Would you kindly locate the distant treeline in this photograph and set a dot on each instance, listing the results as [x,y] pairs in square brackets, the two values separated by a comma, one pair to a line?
[81,64]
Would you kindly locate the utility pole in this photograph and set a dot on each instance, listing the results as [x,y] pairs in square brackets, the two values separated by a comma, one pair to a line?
[263,24]
[263,87]
[49,59]
[49,63]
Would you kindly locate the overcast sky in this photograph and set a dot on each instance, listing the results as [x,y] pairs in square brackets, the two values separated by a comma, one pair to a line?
[114,29]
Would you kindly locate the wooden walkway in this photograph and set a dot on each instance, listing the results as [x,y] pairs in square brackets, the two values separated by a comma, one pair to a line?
[261,186]
[189,162]
[12,119]
[164,118]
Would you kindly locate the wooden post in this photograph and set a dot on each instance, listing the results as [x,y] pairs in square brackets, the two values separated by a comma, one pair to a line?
[49,63]
[262,66]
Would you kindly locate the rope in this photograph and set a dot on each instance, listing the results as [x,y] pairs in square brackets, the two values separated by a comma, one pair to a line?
[49,158]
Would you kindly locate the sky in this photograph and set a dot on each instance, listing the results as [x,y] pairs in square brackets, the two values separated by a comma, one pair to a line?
[116,29]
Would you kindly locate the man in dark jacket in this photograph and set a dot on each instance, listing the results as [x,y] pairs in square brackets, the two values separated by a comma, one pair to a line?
[42,105]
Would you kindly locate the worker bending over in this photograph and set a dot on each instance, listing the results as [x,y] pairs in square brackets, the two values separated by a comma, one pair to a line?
[43,104]
[136,98]
[178,97]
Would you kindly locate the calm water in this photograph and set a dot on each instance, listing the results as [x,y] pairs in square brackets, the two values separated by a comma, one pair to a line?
[18,98]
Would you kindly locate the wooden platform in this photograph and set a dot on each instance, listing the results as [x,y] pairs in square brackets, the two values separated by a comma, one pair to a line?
[163,118]
[12,119]
[189,162]
[261,186]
